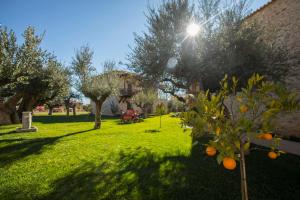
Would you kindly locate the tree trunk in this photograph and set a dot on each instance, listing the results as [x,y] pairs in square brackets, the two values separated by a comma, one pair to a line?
[50,110]
[27,104]
[145,111]
[98,104]
[68,110]
[98,114]
[201,86]
[7,116]
[21,109]
[160,121]
[74,110]
[14,117]
[244,188]
[8,112]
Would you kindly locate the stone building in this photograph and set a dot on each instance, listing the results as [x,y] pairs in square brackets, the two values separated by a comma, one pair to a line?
[280,20]
[115,105]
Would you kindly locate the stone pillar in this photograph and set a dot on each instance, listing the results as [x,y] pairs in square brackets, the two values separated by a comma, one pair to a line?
[26,120]
[26,123]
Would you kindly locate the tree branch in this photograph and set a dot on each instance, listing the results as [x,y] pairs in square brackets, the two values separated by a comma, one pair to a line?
[172,92]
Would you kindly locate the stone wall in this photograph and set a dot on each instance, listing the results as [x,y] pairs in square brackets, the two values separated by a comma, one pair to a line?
[281,22]
[106,107]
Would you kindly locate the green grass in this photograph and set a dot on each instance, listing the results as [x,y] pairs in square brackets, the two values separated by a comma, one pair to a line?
[66,159]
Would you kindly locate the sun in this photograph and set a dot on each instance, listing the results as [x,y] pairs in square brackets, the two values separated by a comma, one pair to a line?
[193,29]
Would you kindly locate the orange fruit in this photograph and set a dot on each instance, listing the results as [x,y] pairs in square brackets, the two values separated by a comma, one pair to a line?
[272,155]
[229,163]
[243,108]
[211,151]
[267,136]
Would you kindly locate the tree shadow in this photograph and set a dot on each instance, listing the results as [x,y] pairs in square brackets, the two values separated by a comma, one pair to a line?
[9,133]
[119,122]
[3,127]
[48,119]
[20,148]
[141,174]
[12,140]
[152,131]
[5,130]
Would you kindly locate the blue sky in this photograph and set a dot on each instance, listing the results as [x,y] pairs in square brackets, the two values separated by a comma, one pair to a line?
[106,25]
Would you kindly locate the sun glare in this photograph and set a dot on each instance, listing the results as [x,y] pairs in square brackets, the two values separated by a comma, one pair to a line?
[193,29]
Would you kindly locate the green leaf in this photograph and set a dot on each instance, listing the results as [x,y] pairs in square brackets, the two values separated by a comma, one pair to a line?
[246,146]
[237,144]
[219,158]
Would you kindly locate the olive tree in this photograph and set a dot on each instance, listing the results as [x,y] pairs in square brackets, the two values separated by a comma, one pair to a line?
[29,75]
[166,55]
[70,100]
[96,86]
[145,99]
[56,102]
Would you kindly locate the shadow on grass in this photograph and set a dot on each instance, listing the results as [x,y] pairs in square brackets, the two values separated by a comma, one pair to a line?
[8,133]
[152,131]
[2,127]
[12,140]
[141,174]
[21,148]
[120,122]
[47,119]
[4,130]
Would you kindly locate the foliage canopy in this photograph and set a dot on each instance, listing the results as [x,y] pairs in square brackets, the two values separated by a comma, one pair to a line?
[173,60]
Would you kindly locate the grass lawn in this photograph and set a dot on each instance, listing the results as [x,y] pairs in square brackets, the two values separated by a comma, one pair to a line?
[66,159]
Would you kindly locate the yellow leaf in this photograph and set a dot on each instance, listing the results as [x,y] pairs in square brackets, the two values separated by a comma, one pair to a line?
[243,108]
[218,131]
[237,144]
[246,146]
[239,99]
[209,127]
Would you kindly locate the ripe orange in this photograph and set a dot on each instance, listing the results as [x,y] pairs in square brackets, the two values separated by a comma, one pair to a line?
[272,155]
[243,108]
[229,163]
[211,151]
[267,136]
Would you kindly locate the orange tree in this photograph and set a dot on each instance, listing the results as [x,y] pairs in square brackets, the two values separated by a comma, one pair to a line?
[232,119]
[160,110]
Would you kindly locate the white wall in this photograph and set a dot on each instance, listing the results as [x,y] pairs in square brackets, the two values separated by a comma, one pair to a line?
[106,107]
